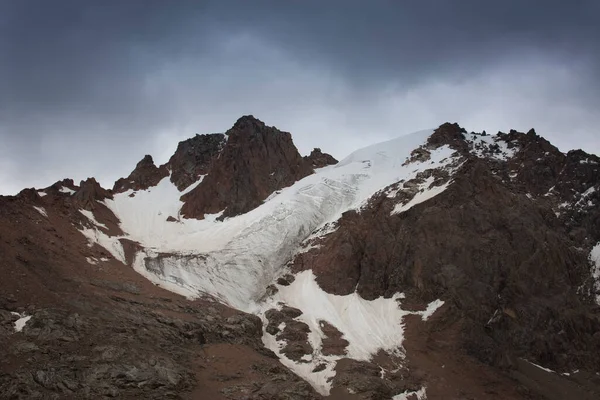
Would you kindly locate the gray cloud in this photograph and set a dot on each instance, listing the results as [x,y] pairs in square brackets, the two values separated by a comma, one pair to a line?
[87,88]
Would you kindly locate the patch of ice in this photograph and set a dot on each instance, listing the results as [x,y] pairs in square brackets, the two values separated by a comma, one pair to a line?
[490,146]
[272,195]
[589,191]
[427,192]
[91,260]
[583,200]
[213,217]
[420,394]
[42,193]
[550,191]
[89,215]
[64,189]
[110,243]
[431,308]
[368,326]
[539,366]
[41,210]
[21,322]
[193,185]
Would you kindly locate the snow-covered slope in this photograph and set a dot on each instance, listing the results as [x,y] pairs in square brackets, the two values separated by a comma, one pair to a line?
[234,260]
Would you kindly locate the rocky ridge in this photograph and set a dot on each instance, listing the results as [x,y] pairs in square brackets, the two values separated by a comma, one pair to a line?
[501,231]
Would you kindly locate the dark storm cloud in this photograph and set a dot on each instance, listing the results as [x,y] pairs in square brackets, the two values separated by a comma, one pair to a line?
[87,87]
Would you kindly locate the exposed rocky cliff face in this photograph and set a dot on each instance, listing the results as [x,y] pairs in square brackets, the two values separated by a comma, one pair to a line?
[145,175]
[194,157]
[255,161]
[318,159]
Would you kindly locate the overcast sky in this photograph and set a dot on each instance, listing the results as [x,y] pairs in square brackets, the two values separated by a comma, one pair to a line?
[88,87]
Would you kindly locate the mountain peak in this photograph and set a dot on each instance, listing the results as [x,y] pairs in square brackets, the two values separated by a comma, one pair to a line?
[145,175]
[255,161]
[248,122]
[318,159]
[147,160]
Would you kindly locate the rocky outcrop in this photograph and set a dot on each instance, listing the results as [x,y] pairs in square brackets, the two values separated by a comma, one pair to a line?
[255,161]
[318,159]
[194,157]
[145,175]
[90,193]
[451,135]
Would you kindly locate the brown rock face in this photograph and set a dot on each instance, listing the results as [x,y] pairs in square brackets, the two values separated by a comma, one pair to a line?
[194,157]
[89,193]
[255,161]
[145,175]
[318,159]
[333,342]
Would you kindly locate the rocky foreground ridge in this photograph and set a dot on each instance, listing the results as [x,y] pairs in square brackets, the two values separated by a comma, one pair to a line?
[292,269]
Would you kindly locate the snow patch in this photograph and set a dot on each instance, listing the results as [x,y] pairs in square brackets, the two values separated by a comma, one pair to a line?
[539,366]
[42,211]
[42,193]
[490,146]
[111,243]
[431,308]
[427,192]
[64,189]
[193,185]
[89,215]
[21,322]
[367,325]
[92,260]
[420,394]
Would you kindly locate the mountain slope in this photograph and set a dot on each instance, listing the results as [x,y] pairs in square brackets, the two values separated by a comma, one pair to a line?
[443,263]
